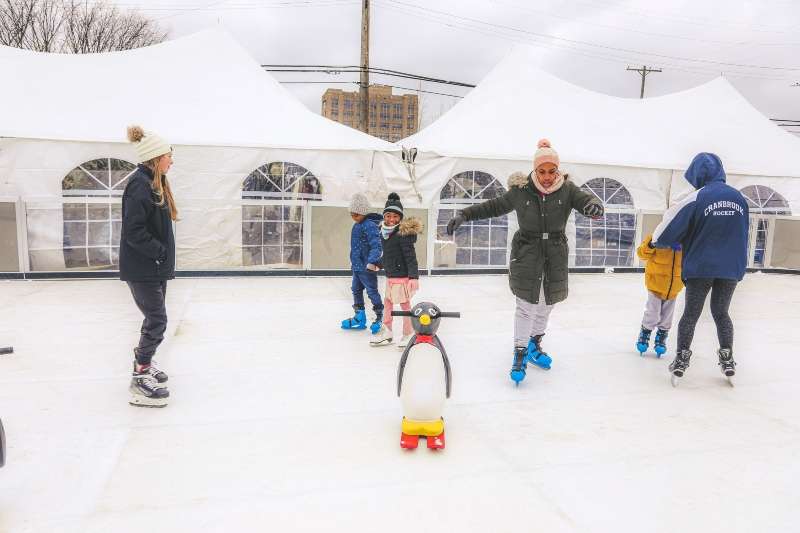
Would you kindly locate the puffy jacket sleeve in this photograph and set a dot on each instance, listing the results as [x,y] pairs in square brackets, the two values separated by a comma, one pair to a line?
[644,251]
[375,244]
[676,222]
[495,207]
[579,199]
[410,255]
[138,207]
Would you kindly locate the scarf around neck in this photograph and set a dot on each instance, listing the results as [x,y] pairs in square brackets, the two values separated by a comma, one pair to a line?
[386,231]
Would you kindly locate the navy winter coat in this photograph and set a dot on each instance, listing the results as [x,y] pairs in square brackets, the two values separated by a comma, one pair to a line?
[147,243]
[711,224]
[365,243]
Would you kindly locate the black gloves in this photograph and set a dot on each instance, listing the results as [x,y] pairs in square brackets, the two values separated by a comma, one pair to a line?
[455,222]
[593,210]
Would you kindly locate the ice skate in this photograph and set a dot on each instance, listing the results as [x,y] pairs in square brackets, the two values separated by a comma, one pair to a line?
[644,340]
[660,342]
[536,356]
[384,338]
[679,365]
[518,367]
[358,320]
[726,364]
[146,391]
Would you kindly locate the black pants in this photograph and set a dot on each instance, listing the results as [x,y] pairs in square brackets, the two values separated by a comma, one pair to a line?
[696,291]
[150,298]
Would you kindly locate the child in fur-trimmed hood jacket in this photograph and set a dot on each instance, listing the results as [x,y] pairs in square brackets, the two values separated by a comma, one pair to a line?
[400,264]
[543,201]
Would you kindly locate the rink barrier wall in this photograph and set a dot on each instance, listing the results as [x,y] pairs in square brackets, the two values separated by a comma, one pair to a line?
[328,273]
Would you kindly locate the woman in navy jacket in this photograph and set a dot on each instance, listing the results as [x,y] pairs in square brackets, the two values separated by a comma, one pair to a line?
[711,224]
[147,258]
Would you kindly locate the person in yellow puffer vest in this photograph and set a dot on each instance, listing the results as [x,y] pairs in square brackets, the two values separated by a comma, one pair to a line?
[662,277]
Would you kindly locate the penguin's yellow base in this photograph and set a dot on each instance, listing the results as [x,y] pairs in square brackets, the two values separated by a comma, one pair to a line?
[423,428]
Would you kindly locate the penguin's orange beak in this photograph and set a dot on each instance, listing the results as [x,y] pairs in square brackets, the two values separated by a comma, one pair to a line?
[425,320]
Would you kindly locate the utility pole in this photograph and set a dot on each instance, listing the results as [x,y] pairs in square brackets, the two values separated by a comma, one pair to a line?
[643,72]
[363,123]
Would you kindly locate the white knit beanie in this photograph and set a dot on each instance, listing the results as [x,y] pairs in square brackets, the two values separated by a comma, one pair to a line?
[359,204]
[148,145]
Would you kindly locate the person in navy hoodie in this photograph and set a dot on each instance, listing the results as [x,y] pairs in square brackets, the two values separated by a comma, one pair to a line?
[366,252]
[711,224]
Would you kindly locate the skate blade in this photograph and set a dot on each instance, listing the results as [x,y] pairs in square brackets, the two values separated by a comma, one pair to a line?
[730,381]
[674,380]
[144,401]
[378,344]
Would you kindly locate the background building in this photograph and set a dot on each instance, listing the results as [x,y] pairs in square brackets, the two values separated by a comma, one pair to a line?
[391,116]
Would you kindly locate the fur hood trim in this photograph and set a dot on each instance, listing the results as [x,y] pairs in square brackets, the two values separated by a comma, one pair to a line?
[520,179]
[410,226]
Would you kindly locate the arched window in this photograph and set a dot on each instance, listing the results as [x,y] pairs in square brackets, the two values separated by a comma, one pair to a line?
[608,241]
[478,243]
[763,201]
[274,197]
[93,214]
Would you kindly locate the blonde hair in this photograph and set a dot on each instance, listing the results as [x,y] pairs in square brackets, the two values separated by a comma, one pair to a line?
[162,188]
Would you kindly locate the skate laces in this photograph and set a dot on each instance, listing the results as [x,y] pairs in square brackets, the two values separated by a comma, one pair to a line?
[726,358]
[146,379]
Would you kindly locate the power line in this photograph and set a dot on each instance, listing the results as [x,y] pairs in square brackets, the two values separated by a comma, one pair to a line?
[350,69]
[586,43]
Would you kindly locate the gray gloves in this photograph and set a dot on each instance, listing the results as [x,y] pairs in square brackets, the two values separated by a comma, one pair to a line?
[593,210]
[455,222]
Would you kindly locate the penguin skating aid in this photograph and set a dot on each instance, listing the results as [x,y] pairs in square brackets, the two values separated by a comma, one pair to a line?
[424,379]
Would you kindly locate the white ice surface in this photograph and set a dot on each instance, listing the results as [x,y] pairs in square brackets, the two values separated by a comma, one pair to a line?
[280,421]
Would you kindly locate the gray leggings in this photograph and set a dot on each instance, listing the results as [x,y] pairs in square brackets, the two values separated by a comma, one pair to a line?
[696,292]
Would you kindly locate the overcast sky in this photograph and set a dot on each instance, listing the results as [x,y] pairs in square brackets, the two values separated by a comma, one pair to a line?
[755,44]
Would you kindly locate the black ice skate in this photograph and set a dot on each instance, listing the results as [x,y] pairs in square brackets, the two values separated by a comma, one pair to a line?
[146,391]
[153,370]
[726,364]
[679,365]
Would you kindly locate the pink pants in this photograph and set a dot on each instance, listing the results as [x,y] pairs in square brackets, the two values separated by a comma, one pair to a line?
[397,291]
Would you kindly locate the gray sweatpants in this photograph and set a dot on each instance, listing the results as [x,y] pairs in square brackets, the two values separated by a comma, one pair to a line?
[657,312]
[530,319]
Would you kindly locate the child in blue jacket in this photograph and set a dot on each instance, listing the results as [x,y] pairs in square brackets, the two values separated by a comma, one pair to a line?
[365,257]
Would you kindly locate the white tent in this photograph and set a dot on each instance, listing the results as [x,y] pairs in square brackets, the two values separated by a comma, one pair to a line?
[223,114]
[642,145]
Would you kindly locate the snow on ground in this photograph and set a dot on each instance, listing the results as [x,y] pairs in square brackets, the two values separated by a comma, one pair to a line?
[280,421]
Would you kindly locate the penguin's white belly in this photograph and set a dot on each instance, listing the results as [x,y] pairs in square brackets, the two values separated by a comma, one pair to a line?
[424,389]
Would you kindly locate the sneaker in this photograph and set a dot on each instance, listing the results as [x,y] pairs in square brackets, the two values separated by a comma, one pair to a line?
[384,338]
[404,340]
[146,392]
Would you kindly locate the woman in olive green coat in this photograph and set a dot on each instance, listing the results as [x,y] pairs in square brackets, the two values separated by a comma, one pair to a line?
[538,271]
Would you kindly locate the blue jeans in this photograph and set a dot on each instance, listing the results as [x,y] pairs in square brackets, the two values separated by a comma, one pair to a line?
[366,280]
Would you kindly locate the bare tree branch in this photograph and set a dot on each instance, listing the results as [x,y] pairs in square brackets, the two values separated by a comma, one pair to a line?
[74,27]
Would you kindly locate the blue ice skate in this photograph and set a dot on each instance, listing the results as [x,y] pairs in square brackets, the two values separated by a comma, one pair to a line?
[644,340]
[660,342]
[377,324]
[358,321]
[535,354]
[518,368]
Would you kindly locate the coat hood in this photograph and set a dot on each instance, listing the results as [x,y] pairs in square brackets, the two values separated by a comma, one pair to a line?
[705,168]
[410,226]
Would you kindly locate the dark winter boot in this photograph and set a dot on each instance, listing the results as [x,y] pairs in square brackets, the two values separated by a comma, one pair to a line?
[537,356]
[359,320]
[518,367]
[644,340]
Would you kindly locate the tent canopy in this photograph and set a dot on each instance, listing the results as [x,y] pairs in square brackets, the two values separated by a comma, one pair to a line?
[518,103]
[203,89]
